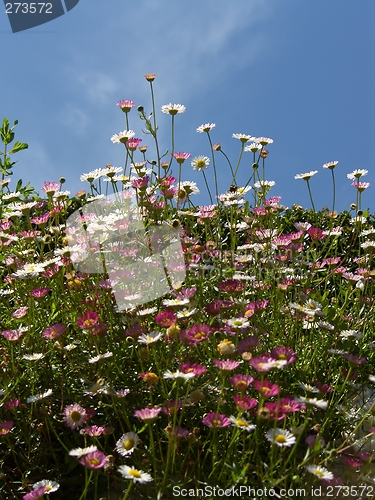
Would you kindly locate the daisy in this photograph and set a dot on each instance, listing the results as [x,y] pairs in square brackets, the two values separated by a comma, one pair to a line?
[80,452]
[125,105]
[137,476]
[320,472]
[149,338]
[5,427]
[243,137]
[173,109]
[74,416]
[50,187]
[121,137]
[216,420]
[148,415]
[94,460]
[306,176]
[226,364]
[263,184]
[33,357]
[356,174]
[180,157]
[319,403]
[200,163]
[331,165]
[241,382]
[54,331]
[127,444]
[253,147]
[50,486]
[280,437]
[263,140]
[38,397]
[241,423]
[175,302]
[178,374]
[100,356]
[238,323]
[206,127]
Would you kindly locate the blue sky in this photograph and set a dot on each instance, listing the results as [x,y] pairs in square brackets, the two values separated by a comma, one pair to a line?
[299,72]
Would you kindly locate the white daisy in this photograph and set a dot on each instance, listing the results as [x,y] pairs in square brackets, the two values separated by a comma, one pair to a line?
[306,176]
[38,397]
[241,423]
[127,444]
[173,109]
[356,174]
[206,127]
[50,486]
[243,137]
[138,476]
[200,163]
[178,374]
[80,452]
[320,472]
[149,338]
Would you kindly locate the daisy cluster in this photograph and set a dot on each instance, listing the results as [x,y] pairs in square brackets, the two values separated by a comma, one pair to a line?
[255,368]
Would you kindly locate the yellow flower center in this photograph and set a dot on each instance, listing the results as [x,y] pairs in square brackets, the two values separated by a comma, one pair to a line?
[280,438]
[94,461]
[241,423]
[75,416]
[129,444]
[134,473]
[199,335]
[318,472]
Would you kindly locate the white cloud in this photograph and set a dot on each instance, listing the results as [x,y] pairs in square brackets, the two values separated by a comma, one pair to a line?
[73,118]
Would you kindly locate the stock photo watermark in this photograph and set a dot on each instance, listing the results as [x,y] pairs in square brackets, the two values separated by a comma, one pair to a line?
[25,15]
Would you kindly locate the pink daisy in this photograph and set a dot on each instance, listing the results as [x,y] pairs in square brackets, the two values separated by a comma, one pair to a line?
[241,382]
[88,320]
[181,157]
[148,415]
[5,427]
[216,420]
[226,364]
[94,460]
[54,331]
[74,416]
[266,388]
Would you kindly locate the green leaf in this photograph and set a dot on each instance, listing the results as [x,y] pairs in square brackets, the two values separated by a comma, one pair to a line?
[18,146]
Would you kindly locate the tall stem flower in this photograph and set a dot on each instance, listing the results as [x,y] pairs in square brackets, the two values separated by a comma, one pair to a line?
[331,165]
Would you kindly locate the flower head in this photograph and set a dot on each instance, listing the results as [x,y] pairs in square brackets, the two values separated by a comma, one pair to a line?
[307,176]
[148,415]
[74,416]
[331,165]
[125,105]
[356,174]
[180,157]
[137,476]
[173,109]
[320,472]
[206,127]
[94,460]
[280,437]
[200,163]
[216,420]
[127,444]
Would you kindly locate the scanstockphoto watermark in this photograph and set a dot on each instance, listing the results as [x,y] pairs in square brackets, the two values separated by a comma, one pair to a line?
[28,14]
[238,492]
[108,237]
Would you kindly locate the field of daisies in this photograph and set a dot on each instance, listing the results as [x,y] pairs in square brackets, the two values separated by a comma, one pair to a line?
[155,349]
